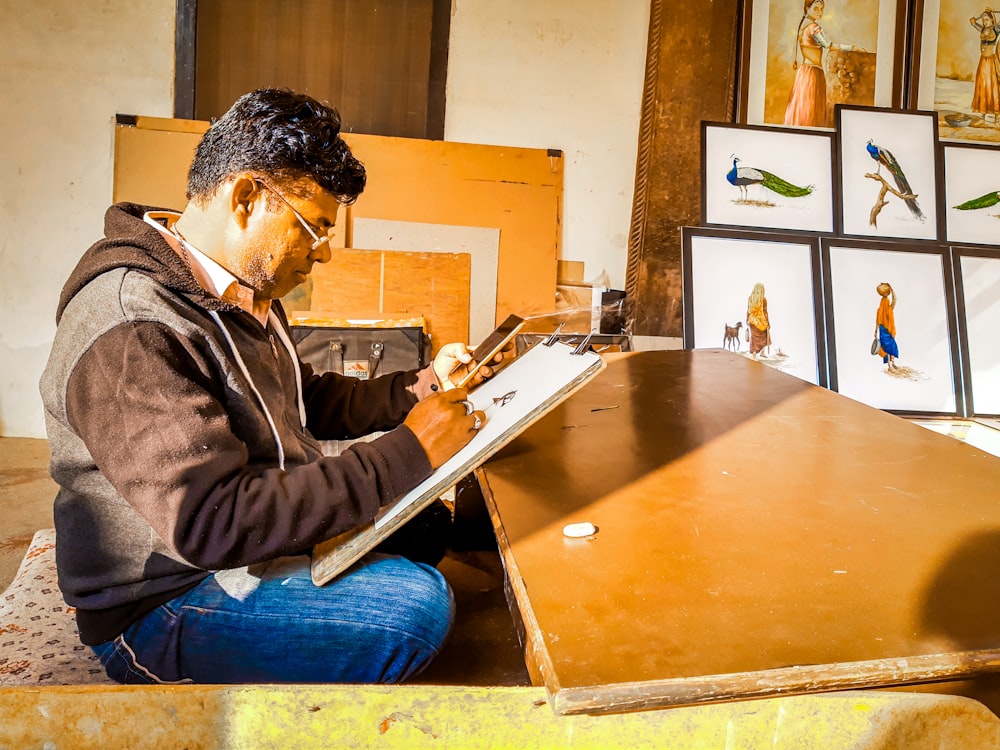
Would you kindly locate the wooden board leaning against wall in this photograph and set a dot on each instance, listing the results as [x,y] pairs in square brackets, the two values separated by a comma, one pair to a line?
[515,191]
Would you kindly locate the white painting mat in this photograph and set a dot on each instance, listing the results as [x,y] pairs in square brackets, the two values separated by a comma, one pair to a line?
[529,383]
[724,272]
[921,329]
[981,288]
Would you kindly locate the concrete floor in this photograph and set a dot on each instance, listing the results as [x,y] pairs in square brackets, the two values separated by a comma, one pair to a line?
[26,494]
[483,649]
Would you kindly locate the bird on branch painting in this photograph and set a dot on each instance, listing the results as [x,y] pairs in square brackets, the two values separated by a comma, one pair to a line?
[884,158]
[744,177]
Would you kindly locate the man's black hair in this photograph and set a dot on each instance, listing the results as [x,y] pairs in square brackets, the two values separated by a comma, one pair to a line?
[281,135]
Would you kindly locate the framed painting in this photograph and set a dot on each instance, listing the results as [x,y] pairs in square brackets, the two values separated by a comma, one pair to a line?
[955,67]
[773,178]
[890,325]
[971,193]
[977,287]
[800,58]
[888,172]
[755,294]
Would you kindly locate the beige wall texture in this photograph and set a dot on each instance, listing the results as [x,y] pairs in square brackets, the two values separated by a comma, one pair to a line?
[529,73]
[66,68]
[552,74]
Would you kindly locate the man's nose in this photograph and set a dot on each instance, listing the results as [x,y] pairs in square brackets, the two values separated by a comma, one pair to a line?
[322,254]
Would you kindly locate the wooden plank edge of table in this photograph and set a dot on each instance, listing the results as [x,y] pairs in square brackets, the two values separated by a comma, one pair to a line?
[771,683]
[536,657]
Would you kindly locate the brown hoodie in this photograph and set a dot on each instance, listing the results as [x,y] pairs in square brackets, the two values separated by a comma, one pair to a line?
[182,441]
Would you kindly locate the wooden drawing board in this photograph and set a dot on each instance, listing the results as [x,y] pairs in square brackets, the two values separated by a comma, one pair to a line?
[517,396]
[757,536]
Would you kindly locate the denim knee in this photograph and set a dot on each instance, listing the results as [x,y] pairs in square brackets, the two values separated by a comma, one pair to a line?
[382,621]
[422,618]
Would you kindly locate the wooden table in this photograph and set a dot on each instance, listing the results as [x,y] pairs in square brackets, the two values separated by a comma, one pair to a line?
[757,536]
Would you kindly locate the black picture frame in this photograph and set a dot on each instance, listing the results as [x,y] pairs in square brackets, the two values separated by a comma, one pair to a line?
[767,178]
[871,204]
[720,270]
[944,62]
[977,296]
[929,380]
[971,193]
[877,36]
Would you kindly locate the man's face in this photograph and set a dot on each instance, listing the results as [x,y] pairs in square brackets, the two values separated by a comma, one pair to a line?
[277,251]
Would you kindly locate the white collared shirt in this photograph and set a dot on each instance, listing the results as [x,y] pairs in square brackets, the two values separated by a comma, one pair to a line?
[210,275]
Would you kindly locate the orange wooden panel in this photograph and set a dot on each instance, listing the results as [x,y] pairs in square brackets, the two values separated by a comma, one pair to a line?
[435,285]
[350,281]
[152,160]
[517,190]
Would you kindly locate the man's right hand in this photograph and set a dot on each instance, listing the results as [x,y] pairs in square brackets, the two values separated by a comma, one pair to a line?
[442,424]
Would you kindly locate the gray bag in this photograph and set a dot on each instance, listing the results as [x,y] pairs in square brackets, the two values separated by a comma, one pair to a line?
[362,353]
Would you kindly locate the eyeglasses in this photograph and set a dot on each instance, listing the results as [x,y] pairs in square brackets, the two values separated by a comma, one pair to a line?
[318,237]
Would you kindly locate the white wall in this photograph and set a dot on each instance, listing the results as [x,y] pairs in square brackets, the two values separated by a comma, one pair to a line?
[532,73]
[66,68]
[565,75]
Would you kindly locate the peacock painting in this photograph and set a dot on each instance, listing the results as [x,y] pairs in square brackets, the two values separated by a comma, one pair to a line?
[983,201]
[743,177]
[884,158]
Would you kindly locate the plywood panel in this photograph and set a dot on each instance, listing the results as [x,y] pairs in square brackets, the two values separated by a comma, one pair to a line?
[350,282]
[481,243]
[435,285]
[517,190]
[367,282]
[151,163]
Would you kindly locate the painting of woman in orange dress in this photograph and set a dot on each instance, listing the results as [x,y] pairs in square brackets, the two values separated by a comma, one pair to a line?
[807,100]
[986,92]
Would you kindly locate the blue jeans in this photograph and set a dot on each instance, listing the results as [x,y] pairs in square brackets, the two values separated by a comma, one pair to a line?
[380,622]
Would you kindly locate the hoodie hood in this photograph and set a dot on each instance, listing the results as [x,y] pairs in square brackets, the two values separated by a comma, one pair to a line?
[129,242]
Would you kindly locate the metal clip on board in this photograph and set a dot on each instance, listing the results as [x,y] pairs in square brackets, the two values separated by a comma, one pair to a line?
[554,337]
[584,345]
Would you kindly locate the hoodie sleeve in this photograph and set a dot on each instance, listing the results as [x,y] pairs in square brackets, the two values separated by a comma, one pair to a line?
[147,405]
[339,406]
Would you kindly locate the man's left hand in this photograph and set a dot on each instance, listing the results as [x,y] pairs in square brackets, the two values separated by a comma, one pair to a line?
[453,363]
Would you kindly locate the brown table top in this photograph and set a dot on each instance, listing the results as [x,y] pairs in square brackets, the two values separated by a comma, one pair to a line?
[757,535]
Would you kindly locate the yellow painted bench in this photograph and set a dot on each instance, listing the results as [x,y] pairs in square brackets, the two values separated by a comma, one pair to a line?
[422,716]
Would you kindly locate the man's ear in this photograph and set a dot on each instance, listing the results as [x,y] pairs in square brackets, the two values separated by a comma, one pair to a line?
[245,198]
